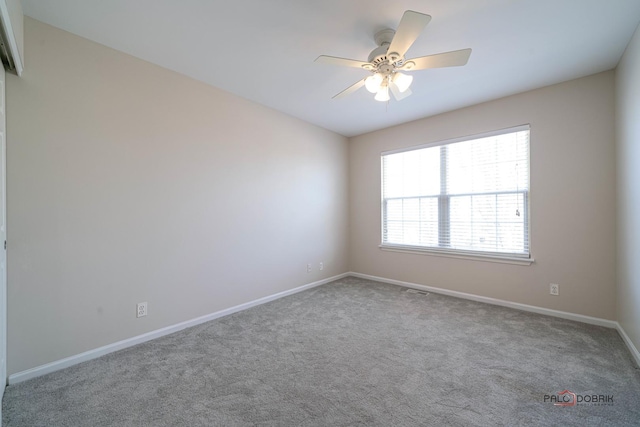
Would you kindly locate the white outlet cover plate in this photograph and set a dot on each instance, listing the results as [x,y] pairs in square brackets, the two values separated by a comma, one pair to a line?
[141,309]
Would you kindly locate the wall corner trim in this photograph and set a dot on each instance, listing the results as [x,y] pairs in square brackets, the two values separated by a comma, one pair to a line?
[632,348]
[129,342]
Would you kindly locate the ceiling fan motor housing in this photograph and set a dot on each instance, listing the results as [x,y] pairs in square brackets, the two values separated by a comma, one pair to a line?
[383,60]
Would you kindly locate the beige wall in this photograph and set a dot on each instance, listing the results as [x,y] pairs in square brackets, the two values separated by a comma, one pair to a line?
[128,182]
[572,200]
[628,162]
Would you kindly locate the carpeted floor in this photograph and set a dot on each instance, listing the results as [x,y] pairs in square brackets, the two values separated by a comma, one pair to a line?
[353,352]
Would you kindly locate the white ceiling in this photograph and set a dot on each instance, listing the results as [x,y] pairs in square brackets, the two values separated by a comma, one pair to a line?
[263,50]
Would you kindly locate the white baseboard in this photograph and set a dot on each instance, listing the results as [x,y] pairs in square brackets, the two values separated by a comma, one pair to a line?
[110,348]
[632,348]
[524,307]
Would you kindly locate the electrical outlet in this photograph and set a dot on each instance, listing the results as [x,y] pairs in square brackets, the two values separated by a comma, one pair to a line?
[554,289]
[308,268]
[141,309]
[321,267]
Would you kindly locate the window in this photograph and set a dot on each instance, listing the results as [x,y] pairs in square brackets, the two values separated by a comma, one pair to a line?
[468,196]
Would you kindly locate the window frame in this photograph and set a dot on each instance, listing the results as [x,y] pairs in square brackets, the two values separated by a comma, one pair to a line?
[510,258]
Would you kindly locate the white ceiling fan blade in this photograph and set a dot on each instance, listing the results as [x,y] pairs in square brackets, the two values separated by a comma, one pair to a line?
[399,96]
[354,87]
[454,58]
[410,27]
[334,60]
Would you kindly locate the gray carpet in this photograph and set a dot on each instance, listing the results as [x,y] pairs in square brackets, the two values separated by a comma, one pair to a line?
[349,353]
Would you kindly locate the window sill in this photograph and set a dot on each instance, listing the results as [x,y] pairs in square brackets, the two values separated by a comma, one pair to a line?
[504,259]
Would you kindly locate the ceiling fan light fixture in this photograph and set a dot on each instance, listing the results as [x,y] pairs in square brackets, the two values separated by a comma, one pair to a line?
[383,94]
[403,81]
[387,62]
[373,82]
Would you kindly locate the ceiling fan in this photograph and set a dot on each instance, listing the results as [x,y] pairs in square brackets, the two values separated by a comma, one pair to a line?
[387,62]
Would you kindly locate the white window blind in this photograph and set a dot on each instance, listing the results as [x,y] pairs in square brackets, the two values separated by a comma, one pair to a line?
[462,196]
